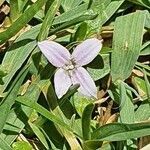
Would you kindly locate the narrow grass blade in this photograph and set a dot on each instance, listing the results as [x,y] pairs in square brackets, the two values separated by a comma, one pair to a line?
[39,134]
[110,10]
[71,91]
[21,49]
[86,120]
[119,131]
[47,23]
[69,135]
[71,14]
[9,100]
[16,122]
[21,21]
[72,22]
[145,3]
[44,112]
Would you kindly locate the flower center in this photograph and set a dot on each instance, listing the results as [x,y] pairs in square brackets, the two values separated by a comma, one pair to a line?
[70,66]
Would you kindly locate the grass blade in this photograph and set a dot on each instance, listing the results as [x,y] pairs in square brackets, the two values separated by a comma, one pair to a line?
[21,21]
[126,105]
[14,10]
[39,134]
[4,145]
[127,42]
[21,49]
[72,22]
[47,23]
[147,86]
[71,14]
[44,112]
[86,119]
[8,101]
[119,131]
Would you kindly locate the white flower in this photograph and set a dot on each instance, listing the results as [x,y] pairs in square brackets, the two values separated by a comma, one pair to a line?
[70,70]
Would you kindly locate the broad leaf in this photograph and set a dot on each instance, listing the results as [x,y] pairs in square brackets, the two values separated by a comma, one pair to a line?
[127,42]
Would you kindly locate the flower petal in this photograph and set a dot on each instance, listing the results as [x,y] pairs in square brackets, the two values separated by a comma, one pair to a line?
[87,85]
[54,52]
[62,82]
[85,52]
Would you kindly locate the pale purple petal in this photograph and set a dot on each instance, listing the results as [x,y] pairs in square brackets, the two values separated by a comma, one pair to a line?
[54,52]
[85,52]
[62,82]
[87,85]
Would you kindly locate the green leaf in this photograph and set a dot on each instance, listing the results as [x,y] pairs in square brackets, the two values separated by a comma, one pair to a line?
[119,132]
[142,66]
[80,103]
[86,120]
[92,145]
[4,145]
[131,89]
[103,69]
[147,84]
[71,14]
[140,85]
[70,137]
[69,4]
[127,42]
[110,10]
[21,145]
[145,50]
[17,54]
[105,9]
[72,22]
[47,23]
[81,32]
[2,74]
[16,122]
[126,105]
[21,21]
[39,134]
[14,11]
[147,23]
[70,92]
[44,112]
[9,99]
[145,3]
[143,112]
[21,5]
[13,124]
